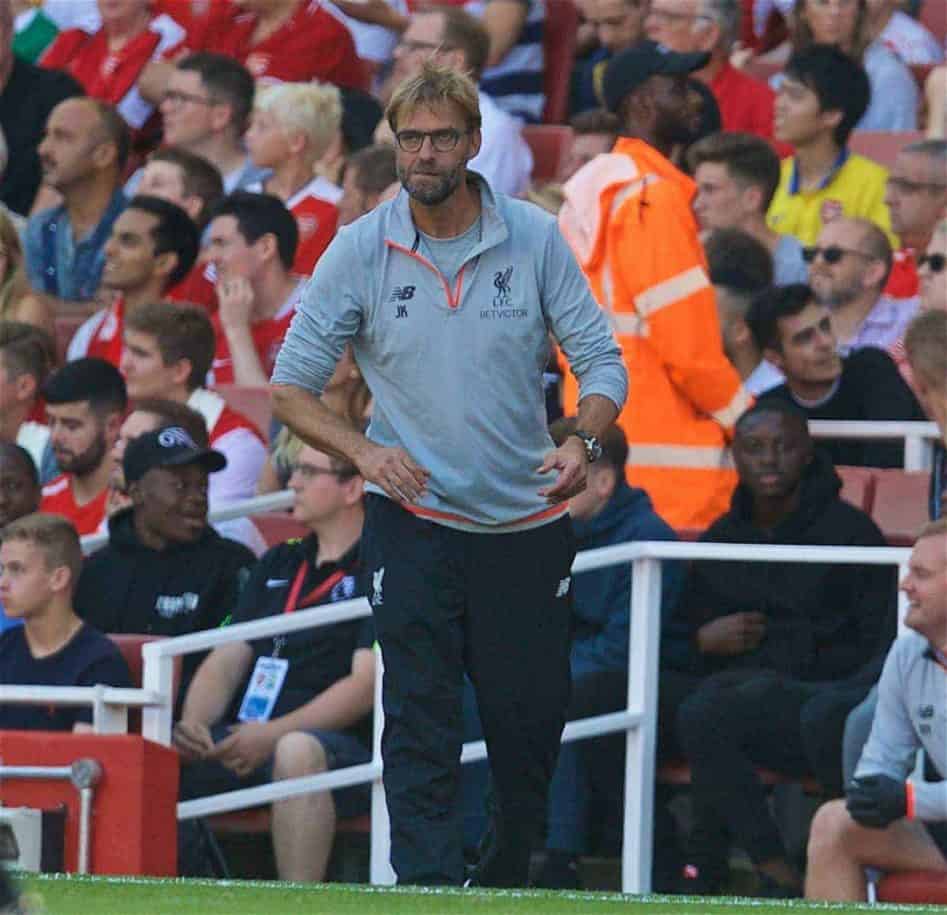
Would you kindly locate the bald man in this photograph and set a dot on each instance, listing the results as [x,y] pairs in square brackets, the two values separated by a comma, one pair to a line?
[848,268]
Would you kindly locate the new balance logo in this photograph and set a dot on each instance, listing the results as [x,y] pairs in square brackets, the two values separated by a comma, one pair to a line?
[402,294]
[563,588]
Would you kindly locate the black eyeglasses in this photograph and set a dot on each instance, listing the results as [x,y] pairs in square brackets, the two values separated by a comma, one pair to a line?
[936,262]
[310,471]
[442,140]
[179,98]
[832,254]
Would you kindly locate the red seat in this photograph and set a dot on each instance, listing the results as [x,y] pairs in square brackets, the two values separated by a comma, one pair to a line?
[253,402]
[900,504]
[278,527]
[679,773]
[559,37]
[934,17]
[858,486]
[914,887]
[882,146]
[130,644]
[549,144]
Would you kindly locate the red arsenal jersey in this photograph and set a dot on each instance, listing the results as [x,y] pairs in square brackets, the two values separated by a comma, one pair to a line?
[59,500]
[111,75]
[311,44]
[267,335]
[197,288]
[903,282]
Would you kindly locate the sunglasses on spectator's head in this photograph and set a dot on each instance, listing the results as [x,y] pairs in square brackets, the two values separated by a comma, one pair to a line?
[935,262]
[832,254]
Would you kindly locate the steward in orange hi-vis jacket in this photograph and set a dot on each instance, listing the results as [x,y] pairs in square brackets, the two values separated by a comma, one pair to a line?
[628,218]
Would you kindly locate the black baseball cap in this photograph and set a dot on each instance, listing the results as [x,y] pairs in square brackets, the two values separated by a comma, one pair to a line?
[167,447]
[634,65]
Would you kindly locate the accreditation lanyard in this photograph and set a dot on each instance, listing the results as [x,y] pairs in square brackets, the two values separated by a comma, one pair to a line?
[317,594]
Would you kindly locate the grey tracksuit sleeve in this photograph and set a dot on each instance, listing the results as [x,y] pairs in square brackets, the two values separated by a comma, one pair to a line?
[911,714]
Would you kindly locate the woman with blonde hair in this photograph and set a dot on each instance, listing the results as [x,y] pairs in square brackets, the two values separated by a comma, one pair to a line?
[17,302]
[292,128]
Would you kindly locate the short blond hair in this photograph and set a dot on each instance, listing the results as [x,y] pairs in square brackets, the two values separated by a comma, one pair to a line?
[313,109]
[55,537]
[925,343]
[435,85]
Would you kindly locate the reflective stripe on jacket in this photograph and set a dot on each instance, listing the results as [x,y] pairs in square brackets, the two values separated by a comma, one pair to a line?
[628,218]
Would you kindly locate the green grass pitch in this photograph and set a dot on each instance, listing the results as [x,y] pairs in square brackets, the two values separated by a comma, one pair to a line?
[57,895]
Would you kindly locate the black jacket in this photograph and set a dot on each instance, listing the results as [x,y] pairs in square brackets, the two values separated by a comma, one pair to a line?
[129,587]
[823,622]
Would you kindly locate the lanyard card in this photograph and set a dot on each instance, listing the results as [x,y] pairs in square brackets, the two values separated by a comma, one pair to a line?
[263,689]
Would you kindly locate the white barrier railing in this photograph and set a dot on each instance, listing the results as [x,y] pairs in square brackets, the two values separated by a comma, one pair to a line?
[109,704]
[271,502]
[637,720]
[918,437]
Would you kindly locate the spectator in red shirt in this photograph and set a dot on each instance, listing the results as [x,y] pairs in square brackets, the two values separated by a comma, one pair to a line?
[293,126]
[194,184]
[745,103]
[108,62]
[916,195]
[153,246]
[283,40]
[85,404]
[251,243]
[206,101]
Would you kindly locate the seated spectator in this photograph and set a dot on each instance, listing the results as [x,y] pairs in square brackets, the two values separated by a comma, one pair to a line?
[795,333]
[85,404]
[608,512]
[165,570]
[16,303]
[821,97]
[456,39]
[293,125]
[108,61]
[916,195]
[153,246]
[147,415]
[737,175]
[616,24]
[848,269]
[40,559]
[168,352]
[281,40]
[251,243]
[926,346]
[935,103]
[35,31]
[193,183]
[888,819]
[688,26]
[27,356]
[760,639]
[513,71]
[28,94]
[931,271]
[741,269]
[83,153]
[205,109]
[19,496]
[594,133]
[318,718]
[894,96]
[368,174]
[898,32]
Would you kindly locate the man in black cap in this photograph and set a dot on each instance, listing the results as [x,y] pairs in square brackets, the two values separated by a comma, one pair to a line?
[165,570]
[629,221]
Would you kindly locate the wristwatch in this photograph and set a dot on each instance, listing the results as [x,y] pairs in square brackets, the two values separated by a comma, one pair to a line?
[593,447]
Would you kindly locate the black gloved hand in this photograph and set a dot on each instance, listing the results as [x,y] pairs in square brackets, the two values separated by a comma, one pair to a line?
[876,801]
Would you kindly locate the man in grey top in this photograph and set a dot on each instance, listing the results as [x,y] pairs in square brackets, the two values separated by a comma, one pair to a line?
[449,294]
[887,820]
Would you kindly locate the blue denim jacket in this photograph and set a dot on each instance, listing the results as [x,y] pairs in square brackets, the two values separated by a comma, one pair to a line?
[59,265]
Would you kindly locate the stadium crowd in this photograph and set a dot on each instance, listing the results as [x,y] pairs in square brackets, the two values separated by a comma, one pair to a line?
[755,192]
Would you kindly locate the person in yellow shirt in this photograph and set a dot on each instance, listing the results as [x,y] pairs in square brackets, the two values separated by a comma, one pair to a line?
[821,98]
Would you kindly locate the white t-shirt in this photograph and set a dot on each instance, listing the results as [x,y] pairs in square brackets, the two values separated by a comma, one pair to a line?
[505,159]
[910,40]
[372,42]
